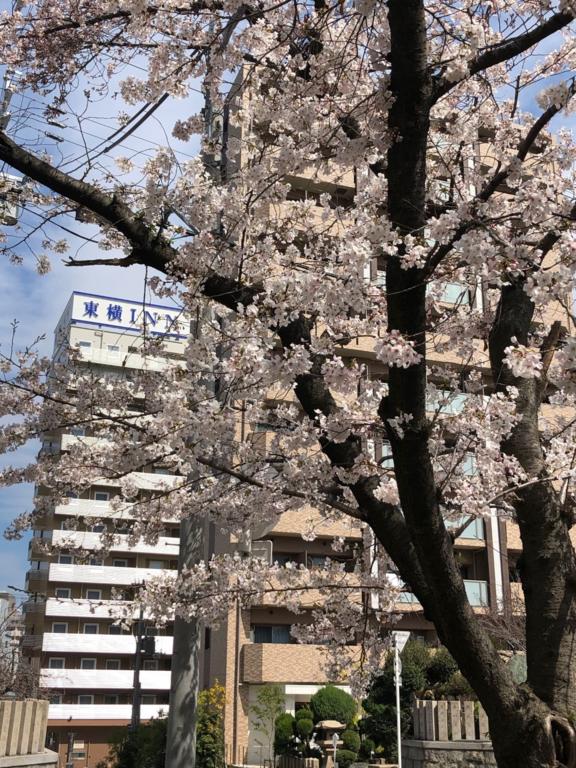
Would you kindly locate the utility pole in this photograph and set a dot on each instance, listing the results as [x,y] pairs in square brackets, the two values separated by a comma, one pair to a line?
[184,682]
[397,684]
[137,693]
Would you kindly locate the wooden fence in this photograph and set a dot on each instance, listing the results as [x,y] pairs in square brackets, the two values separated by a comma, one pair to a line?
[450,721]
[22,727]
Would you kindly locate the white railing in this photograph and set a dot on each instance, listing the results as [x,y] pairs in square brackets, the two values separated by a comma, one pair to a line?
[101,679]
[88,540]
[101,574]
[112,645]
[120,712]
[449,721]
[100,509]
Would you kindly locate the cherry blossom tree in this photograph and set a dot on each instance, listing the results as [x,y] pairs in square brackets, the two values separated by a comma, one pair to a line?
[461,178]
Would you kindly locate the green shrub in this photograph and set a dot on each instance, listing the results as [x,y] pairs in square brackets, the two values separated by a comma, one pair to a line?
[351,740]
[366,749]
[304,728]
[304,713]
[456,687]
[331,703]
[344,758]
[283,733]
[441,667]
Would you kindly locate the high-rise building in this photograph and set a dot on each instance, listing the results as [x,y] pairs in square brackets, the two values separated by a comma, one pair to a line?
[11,632]
[85,658]
[255,646]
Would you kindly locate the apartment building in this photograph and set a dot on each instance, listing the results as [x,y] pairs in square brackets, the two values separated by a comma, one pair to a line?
[255,647]
[11,630]
[84,657]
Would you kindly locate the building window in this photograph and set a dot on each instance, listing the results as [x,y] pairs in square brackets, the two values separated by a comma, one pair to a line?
[149,698]
[65,559]
[60,626]
[93,594]
[150,664]
[98,528]
[85,698]
[112,663]
[95,561]
[56,663]
[121,563]
[110,698]
[63,593]
[56,699]
[272,633]
[85,344]
[90,629]
[87,663]
[113,350]
[101,496]
[283,559]
[114,629]
[156,564]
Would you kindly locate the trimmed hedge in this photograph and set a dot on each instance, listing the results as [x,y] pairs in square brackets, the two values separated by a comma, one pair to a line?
[344,758]
[331,703]
[351,740]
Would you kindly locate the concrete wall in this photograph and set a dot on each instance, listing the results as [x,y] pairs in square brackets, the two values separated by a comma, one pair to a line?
[46,759]
[447,754]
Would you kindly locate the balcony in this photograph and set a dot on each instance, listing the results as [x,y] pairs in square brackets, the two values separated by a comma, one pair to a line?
[476,591]
[304,517]
[474,532]
[101,574]
[104,680]
[33,642]
[87,540]
[34,606]
[115,645]
[119,712]
[93,508]
[286,663]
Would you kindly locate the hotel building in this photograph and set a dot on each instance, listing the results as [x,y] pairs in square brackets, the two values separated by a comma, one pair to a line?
[85,658]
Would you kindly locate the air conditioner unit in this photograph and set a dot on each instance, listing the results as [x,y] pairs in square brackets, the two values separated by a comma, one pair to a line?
[263,550]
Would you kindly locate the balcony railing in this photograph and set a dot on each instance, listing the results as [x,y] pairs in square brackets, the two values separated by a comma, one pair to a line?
[87,540]
[104,680]
[120,712]
[101,574]
[120,645]
[476,591]
[287,663]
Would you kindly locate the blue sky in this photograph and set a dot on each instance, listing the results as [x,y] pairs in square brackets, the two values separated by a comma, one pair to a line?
[37,302]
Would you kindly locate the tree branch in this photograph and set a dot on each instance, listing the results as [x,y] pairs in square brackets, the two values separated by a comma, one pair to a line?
[506,50]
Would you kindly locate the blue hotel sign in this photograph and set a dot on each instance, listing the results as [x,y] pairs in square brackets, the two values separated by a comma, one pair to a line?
[128,315]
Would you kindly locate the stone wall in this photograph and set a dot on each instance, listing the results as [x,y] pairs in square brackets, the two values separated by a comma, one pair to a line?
[447,754]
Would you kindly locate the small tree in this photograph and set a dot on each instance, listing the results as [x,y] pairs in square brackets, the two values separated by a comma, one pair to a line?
[332,703]
[147,747]
[269,705]
[210,727]
[284,734]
